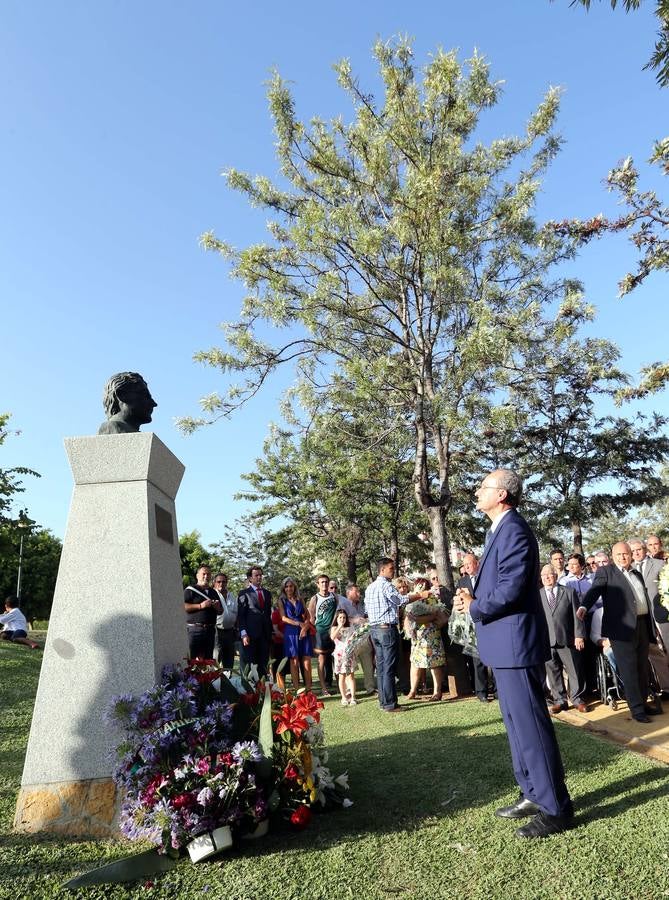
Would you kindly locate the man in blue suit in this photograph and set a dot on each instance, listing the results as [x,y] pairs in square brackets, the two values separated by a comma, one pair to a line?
[513,639]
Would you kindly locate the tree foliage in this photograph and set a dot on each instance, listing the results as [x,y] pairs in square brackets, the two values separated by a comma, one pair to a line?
[403,264]
[10,483]
[579,466]
[348,498]
[646,220]
[659,61]
[41,557]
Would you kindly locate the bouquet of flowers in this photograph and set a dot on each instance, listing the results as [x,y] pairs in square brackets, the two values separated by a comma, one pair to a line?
[663,586]
[300,756]
[359,634]
[418,608]
[200,754]
[183,769]
[461,630]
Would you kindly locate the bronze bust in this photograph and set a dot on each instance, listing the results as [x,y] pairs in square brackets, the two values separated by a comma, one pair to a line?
[127,403]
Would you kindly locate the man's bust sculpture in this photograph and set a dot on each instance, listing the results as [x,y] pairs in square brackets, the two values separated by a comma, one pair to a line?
[127,402]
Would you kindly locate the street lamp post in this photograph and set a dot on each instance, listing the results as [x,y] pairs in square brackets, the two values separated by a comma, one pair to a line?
[24,523]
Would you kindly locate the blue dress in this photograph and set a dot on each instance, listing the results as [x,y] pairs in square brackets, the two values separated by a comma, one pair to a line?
[293,644]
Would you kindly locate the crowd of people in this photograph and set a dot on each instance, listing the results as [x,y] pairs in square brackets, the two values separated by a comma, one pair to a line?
[264,630]
[602,603]
[610,604]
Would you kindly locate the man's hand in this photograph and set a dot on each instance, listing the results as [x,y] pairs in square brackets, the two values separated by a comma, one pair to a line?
[579,643]
[462,600]
[246,640]
[581,613]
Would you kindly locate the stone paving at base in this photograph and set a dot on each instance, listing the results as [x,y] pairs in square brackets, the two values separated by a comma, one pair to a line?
[650,739]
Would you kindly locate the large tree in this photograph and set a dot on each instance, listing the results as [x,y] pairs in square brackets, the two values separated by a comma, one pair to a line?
[348,498]
[579,465]
[403,262]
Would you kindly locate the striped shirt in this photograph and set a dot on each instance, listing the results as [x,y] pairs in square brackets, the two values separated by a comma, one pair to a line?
[382,600]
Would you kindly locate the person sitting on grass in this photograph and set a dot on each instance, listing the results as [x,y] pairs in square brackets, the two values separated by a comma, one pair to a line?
[15,626]
[344,668]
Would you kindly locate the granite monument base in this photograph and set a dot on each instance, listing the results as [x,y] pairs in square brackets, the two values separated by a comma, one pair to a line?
[117,618]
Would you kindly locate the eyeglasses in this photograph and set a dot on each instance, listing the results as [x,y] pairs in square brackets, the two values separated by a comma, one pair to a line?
[490,487]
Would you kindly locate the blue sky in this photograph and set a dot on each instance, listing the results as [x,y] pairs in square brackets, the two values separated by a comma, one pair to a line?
[118,118]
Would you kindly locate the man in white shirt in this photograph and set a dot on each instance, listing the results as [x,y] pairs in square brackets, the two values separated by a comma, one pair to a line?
[15,626]
[226,622]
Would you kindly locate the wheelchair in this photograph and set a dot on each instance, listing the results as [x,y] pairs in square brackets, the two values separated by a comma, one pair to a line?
[612,690]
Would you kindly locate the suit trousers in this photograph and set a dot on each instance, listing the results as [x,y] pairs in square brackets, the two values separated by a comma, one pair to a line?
[537,764]
[226,646]
[365,656]
[569,659]
[632,661]
[257,652]
[481,687]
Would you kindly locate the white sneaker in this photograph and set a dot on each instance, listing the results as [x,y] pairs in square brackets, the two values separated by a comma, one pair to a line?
[353,702]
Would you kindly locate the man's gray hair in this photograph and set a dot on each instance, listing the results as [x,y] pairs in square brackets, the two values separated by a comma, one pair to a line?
[512,483]
[638,541]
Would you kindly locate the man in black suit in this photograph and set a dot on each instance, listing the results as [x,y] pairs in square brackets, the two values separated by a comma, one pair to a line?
[627,623]
[566,634]
[470,567]
[254,617]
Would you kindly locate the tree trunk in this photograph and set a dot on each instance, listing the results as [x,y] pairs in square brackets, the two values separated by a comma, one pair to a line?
[351,567]
[442,557]
[395,549]
[578,537]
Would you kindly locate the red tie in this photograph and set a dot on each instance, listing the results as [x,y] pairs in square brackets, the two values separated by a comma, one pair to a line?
[261,599]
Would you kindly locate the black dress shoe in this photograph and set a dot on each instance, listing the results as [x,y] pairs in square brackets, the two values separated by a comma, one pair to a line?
[641,717]
[520,809]
[543,825]
[651,711]
[482,697]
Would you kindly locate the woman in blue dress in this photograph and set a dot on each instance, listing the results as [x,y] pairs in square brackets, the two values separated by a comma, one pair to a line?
[297,630]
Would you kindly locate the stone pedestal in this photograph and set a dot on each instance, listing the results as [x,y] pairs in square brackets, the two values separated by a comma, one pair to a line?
[117,618]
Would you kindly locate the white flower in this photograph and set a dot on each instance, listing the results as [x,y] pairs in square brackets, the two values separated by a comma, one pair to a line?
[252,674]
[314,735]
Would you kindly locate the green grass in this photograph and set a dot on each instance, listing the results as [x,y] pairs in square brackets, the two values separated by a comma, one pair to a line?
[425,785]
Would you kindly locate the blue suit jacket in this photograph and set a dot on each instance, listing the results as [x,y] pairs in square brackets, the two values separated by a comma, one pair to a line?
[510,622]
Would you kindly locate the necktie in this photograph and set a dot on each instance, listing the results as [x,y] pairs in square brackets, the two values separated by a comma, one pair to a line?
[261,599]
[488,535]
[552,601]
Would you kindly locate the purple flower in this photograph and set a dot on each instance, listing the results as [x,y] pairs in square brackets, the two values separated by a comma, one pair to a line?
[246,751]
[205,796]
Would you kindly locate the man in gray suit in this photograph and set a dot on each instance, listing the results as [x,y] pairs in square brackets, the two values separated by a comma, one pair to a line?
[566,633]
[650,572]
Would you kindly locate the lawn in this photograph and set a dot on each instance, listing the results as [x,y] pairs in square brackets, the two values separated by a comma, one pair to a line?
[425,785]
